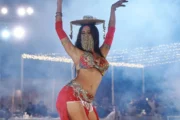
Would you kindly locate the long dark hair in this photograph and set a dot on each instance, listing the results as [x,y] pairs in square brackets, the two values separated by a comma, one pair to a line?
[95,34]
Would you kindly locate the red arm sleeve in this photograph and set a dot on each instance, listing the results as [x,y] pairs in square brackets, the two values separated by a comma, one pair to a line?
[59,30]
[109,36]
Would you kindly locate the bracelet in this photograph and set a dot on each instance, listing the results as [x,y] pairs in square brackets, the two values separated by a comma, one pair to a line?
[58,14]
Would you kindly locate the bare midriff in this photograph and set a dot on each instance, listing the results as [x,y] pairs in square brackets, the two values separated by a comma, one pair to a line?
[89,79]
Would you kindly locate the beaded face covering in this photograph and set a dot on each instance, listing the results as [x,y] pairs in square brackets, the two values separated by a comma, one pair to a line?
[87,42]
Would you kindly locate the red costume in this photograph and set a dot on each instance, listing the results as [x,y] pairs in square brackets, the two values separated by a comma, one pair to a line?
[68,94]
[73,91]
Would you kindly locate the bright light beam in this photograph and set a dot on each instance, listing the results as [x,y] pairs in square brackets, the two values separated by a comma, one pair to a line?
[4,10]
[21,11]
[5,34]
[29,10]
[19,32]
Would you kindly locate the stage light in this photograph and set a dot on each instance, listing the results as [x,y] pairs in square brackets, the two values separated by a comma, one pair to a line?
[4,10]
[30,11]
[21,11]
[5,34]
[19,32]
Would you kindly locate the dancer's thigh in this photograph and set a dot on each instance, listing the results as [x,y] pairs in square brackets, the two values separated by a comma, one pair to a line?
[92,116]
[76,111]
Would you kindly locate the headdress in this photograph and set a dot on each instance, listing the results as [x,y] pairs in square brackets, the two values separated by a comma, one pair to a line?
[87,20]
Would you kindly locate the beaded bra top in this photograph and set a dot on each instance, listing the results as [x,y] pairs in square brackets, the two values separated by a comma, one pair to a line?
[88,60]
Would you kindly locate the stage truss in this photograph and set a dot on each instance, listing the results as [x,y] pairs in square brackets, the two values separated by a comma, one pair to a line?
[150,56]
[137,58]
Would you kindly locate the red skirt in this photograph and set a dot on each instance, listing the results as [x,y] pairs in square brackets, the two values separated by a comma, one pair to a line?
[67,94]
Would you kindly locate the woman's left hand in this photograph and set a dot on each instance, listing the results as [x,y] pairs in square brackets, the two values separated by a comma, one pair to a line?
[118,4]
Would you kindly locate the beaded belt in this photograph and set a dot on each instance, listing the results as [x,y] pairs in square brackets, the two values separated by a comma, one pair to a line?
[82,94]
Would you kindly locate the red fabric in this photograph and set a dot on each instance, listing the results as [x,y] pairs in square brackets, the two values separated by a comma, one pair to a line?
[65,95]
[109,36]
[59,30]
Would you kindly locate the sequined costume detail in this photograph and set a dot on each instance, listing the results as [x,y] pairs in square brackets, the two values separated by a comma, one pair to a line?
[80,92]
[87,60]
[73,92]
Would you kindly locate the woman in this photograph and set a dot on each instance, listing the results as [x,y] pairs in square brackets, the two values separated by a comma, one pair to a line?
[74,101]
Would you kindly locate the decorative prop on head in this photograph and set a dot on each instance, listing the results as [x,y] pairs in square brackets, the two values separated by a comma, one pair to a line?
[87,20]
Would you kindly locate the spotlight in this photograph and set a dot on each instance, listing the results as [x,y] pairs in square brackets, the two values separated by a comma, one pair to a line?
[21,11]
[5,34]
[19,32]
[30,11]
[4,10]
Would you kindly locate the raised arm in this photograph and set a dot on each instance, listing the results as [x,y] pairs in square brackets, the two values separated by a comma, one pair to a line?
[67,44]
[111,28]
